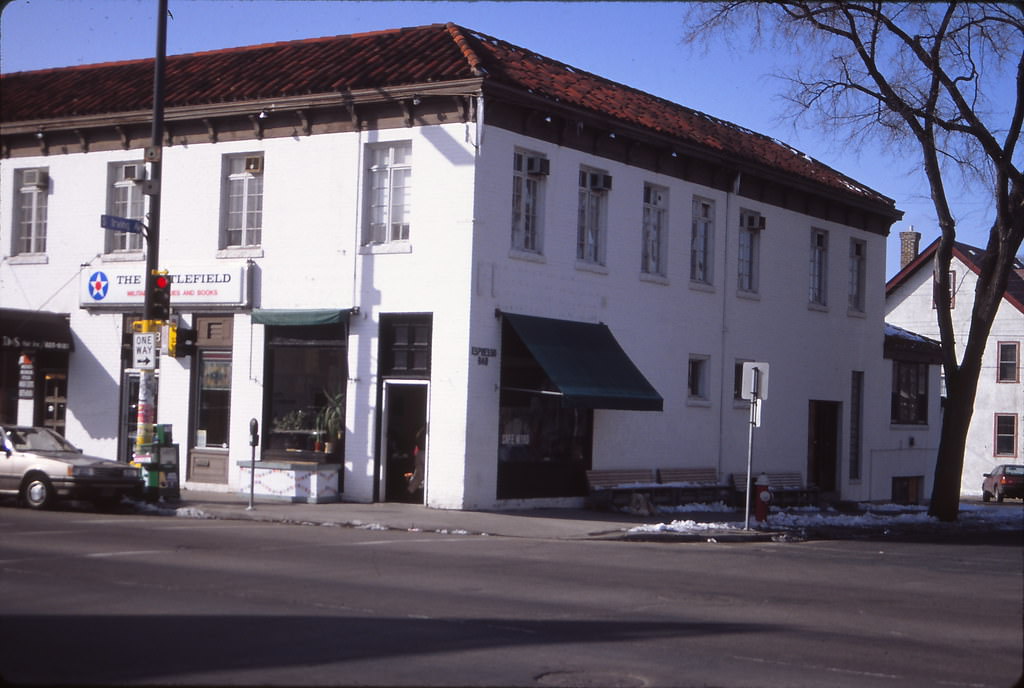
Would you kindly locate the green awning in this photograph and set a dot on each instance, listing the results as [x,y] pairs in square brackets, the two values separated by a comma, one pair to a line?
[586,364]
[299,317]
[39,330]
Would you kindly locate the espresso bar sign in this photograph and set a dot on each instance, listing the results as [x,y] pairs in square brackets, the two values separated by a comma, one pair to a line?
[203,285]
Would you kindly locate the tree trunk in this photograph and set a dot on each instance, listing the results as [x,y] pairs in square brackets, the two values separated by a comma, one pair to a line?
[949,463]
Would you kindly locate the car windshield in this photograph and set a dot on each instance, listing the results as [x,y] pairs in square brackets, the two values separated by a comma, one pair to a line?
[1014,470]
[38,439]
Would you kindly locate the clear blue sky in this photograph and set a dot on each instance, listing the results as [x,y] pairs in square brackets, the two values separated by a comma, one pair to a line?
[636,43]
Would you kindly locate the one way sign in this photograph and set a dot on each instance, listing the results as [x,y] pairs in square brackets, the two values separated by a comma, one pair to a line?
[144,350]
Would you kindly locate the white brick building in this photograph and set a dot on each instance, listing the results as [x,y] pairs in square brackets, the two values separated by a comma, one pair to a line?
[404,221]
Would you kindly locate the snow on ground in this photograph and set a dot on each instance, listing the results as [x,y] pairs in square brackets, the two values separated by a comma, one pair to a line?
[868,516]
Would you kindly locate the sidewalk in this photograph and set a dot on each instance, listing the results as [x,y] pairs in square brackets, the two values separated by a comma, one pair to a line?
[552,523]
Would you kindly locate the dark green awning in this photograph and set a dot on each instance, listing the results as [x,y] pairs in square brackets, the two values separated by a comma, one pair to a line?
[586,364]
[297,317]
[40,330]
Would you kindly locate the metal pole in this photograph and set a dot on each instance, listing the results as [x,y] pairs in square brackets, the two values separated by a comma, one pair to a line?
[147,378]
[254,439]
[750,457]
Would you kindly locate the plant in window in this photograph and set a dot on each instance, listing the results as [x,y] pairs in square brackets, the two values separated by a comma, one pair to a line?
[331,419]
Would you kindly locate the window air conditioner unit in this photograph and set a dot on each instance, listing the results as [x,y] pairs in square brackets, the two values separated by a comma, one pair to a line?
[133,173]
[254,164]
[36,178]
[600,182]
[538,165]
[755,222]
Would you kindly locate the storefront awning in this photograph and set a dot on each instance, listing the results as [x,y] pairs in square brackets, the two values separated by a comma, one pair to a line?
[41,330]
[586,364]
[300,317]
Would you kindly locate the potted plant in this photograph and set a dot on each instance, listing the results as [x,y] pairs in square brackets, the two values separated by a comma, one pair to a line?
[331,419]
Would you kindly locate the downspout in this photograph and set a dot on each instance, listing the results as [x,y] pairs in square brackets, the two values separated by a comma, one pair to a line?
[726,392]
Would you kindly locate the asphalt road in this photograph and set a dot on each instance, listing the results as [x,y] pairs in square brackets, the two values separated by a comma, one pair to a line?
[119,599]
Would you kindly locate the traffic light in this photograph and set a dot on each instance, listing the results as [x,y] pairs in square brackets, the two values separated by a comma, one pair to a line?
[160,295]
[181,341]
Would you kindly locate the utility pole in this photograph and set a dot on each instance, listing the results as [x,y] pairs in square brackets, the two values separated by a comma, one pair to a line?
[146,418]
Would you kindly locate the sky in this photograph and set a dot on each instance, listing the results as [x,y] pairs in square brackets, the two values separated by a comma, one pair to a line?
[635,43]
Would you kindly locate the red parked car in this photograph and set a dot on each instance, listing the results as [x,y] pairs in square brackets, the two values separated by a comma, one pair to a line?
[1004,481]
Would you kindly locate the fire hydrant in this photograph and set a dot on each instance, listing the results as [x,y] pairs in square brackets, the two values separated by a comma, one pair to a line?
[762,497]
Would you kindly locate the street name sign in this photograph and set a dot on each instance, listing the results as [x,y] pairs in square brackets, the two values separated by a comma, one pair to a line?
[121,224]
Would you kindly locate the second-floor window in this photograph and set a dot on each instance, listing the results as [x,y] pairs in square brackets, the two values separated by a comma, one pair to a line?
[655,226]
[1009,362]
[817,291]
[590,223]
[32,187]
[126,200]
[751,224]
[244,201]
[701,239]
[528,174]
[858,265]
[388,185]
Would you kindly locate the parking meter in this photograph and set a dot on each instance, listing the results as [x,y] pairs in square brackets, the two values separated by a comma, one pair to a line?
[254,432]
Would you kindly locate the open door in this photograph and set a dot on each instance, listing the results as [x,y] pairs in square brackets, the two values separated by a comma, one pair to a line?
[403,466]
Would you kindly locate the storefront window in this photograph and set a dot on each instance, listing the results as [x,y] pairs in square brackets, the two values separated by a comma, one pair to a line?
[544,448]
[306,381]
[214,399]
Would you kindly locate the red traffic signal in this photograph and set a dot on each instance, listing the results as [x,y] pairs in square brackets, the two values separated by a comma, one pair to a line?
[160,296]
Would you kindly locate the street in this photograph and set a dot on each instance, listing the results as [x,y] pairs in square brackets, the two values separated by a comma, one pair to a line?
[115,599]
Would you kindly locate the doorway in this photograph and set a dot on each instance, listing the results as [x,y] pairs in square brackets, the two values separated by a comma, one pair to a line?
[403,464]
[823,445]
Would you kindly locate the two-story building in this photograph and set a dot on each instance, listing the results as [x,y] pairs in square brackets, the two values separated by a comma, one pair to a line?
[438,267]
[995,436]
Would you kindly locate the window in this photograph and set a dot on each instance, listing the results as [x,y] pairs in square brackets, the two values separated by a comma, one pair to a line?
[858,262]
[405,345]
[306,379]
[1009,362]
[528,173]
[213,399]
[1006,434]
[751,224]
[909,393]
[243,224]
[700,240]
[32,188]
[737,380]
[697,381]
[388,187]
[126,200]
[819,268]
[652,260]
[856,421]
[590,224]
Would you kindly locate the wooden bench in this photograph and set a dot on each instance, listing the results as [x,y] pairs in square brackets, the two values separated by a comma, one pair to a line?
[788,489]
[683,485]
[608,487]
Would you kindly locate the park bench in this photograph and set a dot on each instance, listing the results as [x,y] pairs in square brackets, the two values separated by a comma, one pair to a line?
[685,485]
[616,487]
[788,489]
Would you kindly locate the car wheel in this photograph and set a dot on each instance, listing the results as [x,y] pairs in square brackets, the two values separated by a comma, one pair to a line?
[986,496]
[38,492]
[1000,496]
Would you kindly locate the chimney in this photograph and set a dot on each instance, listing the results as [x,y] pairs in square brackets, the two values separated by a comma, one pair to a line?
[910,244]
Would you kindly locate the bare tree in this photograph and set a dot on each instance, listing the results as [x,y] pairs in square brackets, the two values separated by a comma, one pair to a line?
[931,78]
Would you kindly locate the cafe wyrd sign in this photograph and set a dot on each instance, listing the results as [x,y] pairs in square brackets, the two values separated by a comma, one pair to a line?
[191,285]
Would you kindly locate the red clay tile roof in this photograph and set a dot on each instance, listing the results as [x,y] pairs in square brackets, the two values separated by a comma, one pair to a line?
[435,53]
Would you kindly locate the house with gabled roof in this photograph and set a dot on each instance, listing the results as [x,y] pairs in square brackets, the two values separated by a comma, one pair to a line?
[996,435]
[437,267]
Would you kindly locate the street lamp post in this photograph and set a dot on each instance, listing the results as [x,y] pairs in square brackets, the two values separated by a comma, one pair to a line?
[146,417]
